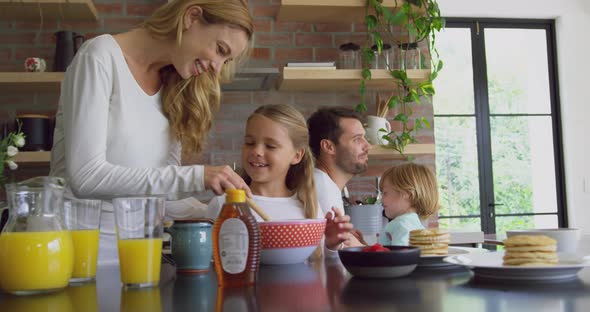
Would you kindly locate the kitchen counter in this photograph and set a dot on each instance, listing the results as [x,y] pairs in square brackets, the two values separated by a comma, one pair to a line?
[317,286]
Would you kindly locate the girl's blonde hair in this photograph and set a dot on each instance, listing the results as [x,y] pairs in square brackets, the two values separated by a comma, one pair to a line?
[300,178]
[418,183]
[190,104]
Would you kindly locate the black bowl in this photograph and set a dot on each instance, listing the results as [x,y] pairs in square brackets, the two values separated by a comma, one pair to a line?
[399,261]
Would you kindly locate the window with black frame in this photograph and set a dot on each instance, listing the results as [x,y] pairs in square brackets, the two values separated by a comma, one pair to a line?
[497,126]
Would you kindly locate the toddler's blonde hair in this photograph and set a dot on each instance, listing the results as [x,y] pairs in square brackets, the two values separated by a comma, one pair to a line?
[418,183]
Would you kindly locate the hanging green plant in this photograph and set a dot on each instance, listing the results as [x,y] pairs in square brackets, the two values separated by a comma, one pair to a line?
[406,25]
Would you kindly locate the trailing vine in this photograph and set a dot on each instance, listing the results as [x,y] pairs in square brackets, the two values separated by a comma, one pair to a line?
[417,21]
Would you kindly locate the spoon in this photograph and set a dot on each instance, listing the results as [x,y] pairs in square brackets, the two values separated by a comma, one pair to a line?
[257,208]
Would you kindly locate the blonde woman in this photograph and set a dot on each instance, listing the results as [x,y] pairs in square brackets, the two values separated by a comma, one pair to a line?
[131,104]
[410,196]
[279,167]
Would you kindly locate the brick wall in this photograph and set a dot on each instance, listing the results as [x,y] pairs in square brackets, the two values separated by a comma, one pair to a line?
[275,44]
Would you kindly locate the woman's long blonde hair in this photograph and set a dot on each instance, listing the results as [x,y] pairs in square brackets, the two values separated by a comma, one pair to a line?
[300,178]
[190,104]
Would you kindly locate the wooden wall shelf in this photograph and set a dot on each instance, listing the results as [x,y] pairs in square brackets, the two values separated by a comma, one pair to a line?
[32,157]
[326,11]
[378,151]
[312,79]
[30,82]
[52,10]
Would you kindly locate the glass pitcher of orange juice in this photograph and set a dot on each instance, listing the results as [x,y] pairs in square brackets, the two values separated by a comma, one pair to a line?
[36,250]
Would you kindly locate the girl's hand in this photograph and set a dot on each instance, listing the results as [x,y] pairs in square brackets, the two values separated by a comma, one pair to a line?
[221,178]
[338,229]
[356,240]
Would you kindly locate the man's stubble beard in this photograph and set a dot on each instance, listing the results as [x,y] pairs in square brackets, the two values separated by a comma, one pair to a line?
[349,165]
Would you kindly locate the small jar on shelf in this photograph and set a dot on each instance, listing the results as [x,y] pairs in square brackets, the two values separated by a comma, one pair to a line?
[383,60]
[348,56]
[410,57]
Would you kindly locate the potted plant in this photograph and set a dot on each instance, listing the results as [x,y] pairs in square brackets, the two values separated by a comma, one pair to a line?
[9,146]
[407,26]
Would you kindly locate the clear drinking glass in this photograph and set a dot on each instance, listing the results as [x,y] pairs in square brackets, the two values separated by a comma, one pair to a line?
[82,218]
[140,223]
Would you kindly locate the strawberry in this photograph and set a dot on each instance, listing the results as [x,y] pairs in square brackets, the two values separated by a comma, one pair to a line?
[375,248]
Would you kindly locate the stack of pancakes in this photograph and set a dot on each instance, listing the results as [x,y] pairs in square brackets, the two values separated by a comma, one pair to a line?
[530,250]
[431,242]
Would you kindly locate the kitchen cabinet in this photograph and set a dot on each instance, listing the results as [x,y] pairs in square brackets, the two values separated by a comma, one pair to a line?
[51,10]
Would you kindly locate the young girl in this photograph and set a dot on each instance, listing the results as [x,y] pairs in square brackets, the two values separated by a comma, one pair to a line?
[410,195]
[278,167]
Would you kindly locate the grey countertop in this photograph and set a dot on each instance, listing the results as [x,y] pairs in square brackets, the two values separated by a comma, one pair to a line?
[319,286]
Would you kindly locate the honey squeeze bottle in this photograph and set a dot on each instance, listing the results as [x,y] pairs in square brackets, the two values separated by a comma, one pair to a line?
[236,242]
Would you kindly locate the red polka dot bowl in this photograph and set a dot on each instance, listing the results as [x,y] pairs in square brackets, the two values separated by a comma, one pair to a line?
[290,241]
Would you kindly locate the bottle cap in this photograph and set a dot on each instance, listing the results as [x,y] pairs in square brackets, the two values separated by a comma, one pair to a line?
[235,196]
[386,46]
[350,46]
[408,46]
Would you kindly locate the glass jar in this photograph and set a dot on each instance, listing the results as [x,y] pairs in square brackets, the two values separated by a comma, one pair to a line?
[410,57]
[348,56]
[383,60]
[36,250]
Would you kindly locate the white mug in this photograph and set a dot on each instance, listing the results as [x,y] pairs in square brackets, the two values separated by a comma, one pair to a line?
[374,123]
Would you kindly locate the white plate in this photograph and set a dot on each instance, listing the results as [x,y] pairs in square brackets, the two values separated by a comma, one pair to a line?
[437,260]
[489,266]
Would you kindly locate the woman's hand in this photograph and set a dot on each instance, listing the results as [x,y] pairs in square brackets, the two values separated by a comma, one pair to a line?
[221,178]
[338,229]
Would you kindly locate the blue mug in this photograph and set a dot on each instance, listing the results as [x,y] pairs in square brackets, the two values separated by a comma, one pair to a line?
[191,244]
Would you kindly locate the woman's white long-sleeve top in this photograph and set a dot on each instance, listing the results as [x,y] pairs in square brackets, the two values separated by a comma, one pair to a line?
[111,138]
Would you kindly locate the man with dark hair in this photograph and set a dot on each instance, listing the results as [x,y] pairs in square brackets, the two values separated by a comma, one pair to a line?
[337,140]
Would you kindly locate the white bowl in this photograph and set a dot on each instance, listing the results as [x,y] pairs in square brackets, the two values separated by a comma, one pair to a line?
[567,239]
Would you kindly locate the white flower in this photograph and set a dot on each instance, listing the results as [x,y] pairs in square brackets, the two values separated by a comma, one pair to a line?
[11,151]
[11,164]
[19,140]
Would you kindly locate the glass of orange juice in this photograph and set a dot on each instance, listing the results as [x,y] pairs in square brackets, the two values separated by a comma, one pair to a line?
[140,223]
[82,218]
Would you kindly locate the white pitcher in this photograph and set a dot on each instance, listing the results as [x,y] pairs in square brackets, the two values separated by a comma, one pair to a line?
[374,123]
